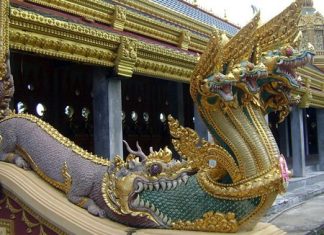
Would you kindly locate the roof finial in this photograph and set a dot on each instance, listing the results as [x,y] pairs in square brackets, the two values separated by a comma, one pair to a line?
[225,14]
[255,9]
[308,3]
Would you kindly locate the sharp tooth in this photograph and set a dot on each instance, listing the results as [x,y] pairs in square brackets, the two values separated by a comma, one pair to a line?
[165,219]
[147,204]
[152,207]
[145,186]
[150,187]
[136,202]
[185,178]
[169,222]
[156,186]
[179,181]
[141,203]
[169,185]
[157,212]
[163,185]
[174,184]
[140,187]
[161,216]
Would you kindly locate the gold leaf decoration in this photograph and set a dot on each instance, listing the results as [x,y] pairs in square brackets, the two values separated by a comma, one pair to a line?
[198,153]
[280,29]
[211,222]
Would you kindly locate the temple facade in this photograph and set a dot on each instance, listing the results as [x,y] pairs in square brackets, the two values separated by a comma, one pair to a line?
[104,71]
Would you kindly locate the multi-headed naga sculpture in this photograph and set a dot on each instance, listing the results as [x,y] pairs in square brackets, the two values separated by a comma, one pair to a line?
[235,83]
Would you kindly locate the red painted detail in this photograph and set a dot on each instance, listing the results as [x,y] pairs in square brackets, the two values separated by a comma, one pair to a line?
[16,217]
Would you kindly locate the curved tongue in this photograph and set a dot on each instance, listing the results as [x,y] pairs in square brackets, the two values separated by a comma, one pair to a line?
[253,82]
[227,88]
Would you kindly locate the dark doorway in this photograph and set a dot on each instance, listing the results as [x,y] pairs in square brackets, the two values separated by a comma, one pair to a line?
[311,127]
[59,92]
[147,102]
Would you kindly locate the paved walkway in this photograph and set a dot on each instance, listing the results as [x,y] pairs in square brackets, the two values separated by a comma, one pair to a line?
[303,218]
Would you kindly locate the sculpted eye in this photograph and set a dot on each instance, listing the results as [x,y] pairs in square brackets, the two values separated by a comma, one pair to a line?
[155,169]
[289,51]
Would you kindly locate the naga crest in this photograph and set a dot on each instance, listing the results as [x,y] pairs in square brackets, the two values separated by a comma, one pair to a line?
[227,185]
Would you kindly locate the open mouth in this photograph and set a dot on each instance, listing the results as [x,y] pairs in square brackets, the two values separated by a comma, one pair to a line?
[288,66]
[185,201]
[162,185]
[252,78]
[252,84]
[224,90]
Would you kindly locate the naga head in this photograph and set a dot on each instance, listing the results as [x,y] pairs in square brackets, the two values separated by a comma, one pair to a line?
[219,85]
[190,194]
[282,64]
[134,187]
[248,76]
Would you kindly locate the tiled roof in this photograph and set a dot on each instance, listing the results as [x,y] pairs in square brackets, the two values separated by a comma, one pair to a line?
[198,14]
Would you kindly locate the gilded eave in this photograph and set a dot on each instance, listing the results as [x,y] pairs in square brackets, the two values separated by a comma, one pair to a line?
[123,19]
[48,36]
[162,12]
[312,91]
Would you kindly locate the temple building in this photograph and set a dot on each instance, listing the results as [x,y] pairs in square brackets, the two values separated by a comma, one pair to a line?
[103,71]
[300,137]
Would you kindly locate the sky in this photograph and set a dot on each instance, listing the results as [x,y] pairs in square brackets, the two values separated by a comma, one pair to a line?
[240,12]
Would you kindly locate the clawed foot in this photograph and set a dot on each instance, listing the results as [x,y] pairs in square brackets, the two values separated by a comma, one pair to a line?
[20,162]
[95,210]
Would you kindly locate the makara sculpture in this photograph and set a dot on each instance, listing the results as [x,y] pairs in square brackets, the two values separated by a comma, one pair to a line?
[224,186]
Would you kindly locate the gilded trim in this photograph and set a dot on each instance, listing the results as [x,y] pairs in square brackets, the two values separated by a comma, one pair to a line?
[36,33]
[121,18]
[41,222]
[60,138]
[4,36]
[7,226]
[67,178]
[211,222]
[185,142]
[60,48]
[90,9]
[82,202]
[126,57]
[65,186]
[245,189]
[155,9]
